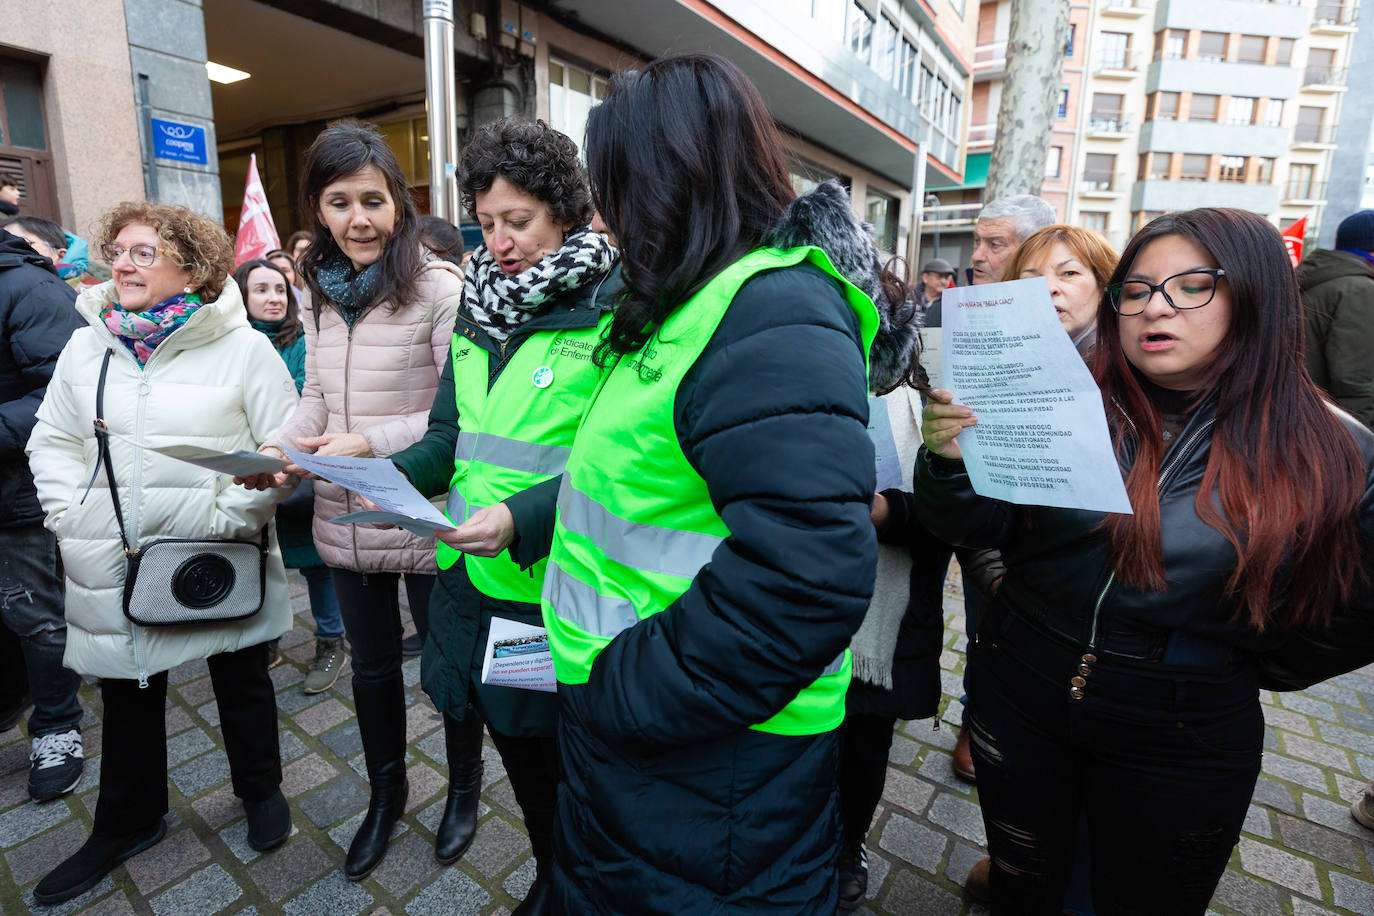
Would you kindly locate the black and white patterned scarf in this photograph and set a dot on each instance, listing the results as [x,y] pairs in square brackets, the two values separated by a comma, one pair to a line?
[500,303]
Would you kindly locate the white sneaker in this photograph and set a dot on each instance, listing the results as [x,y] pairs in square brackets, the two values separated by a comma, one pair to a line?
[55,765]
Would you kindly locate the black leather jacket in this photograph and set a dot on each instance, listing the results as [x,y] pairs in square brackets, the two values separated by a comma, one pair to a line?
[1059,576]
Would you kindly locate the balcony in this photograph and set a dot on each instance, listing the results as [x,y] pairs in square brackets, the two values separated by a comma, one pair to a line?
[989,60]
[1108,125]
[1304,191]
[1125,9]
[1335,17]
[981,136]
[1103,184]
[1118,64]
[1324,79]
[950,216]
[1316,136]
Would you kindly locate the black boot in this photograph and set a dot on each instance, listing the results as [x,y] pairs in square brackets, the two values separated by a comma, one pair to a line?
[382,724]
[853,874]
[538,902]
[96,858]
[463,743]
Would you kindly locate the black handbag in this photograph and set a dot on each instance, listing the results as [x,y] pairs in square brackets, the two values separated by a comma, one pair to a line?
[183,581]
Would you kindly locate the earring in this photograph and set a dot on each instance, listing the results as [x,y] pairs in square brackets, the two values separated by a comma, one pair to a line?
[186,290]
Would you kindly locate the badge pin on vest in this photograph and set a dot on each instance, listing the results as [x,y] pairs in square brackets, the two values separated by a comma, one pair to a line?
[542,377]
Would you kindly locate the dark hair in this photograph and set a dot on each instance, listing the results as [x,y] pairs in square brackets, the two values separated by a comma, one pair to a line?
[279,253]
[53,235]
[1283,477]
[296,236]
[342,149]
[8,182]
[442,238]
[536,159]
[290,330]
[689,173]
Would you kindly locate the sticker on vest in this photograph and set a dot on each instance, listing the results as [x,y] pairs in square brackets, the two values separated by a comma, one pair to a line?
[542,377]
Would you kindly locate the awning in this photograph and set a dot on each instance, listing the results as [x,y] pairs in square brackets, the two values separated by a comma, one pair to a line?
[975,175]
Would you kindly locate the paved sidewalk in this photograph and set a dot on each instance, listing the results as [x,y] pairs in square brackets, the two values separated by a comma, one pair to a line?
[1301,854]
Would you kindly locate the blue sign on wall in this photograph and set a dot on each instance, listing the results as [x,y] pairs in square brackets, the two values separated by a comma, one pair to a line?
[181,142]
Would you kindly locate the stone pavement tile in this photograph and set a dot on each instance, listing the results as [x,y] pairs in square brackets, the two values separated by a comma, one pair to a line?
[178,720]
[323,716]
[951,684]
[1365,765]
[904,751]
[497,845]
[1347,788]
[1308,706]
[188,671]
[197,692]
[1277,717]
[454,894]
[105,886]
[1335,815]
[302,654]
[40,855]
[913,842]
[235,838]
[939,767]
[425,781]
[1335,693]
[29,820]
[188,744]
[1275,795]
[943,737]
[1257,822]
[209,712]
[949,660]
[1304,774]
[519,882]
[911,893]
[333,894]
[1360,721]
[341,798]
[1316,752]
[432,746]
[1346,737]
[345,741]
[504,795]
[1303,907]
[1247,896]
[14,789]
[958,816]
[409,863]
[962,858]
[1280,867]
[282,872]
[292,747]
[305,774]
[293,701]
[1353,894]
[1319,842]
[492,768]
[207,891]
[421,719]
[117,904]
[907,791]
[219,807]
[284,676]
[410,672]
[92,738]
[205,771]
[177,854]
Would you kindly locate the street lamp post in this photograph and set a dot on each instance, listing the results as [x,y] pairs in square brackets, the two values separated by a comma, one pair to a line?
[441,109]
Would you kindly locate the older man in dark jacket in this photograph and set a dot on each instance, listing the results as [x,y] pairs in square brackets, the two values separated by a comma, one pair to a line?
[36,319]
[1338,309]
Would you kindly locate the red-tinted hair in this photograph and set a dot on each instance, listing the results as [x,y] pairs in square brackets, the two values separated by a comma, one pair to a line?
[1283,478]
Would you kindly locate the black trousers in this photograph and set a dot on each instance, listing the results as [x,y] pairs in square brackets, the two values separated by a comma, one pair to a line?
[532,765]
[133,768]
[371,607]
[865,742]
[1162,759]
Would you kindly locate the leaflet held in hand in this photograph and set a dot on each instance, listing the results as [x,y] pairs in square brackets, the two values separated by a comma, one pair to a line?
[378,480]
[1041,437]
[518,655]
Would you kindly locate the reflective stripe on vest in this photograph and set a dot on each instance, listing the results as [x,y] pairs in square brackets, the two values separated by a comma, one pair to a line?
[530,457]
[635,520]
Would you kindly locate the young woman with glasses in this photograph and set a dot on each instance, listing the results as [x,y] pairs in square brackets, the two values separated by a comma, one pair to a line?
[1119,665]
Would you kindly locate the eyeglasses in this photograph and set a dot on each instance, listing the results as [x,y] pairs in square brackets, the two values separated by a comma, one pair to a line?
[141,255]
[1189,290]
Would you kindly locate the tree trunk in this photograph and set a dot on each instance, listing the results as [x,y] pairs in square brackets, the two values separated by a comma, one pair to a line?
[1030,97]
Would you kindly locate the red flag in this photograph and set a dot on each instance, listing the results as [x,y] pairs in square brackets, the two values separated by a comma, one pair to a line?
[257,233]
[1292,240]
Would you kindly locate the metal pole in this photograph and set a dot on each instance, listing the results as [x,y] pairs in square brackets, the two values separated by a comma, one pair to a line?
[145,109]
[440,99]
[918,202]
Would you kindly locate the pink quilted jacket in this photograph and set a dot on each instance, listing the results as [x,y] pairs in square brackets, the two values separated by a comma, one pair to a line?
[378,380]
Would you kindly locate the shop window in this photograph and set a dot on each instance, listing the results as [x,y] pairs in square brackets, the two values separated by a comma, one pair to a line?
[881,210]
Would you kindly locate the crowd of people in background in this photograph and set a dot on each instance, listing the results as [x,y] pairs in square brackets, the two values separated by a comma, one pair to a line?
[644,403]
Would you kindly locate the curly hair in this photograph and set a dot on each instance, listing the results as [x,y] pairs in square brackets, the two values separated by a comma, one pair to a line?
[198,245]
[536,159]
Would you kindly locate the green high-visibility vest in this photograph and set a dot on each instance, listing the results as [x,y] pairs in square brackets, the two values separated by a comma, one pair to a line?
[513,436]
[635,521]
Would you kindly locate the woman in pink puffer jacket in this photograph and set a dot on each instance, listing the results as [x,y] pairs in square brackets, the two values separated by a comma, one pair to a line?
[376,341]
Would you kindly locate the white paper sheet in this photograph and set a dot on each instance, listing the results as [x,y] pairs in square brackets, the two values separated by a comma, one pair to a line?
[239,463]
[932,356]
[518,656]
[1041,437]
[885,461]
[380,481]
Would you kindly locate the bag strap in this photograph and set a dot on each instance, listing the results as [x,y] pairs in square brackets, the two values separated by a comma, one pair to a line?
[102,438]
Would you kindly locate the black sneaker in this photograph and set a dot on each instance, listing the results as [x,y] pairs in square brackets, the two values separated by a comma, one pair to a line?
[97,857]
[55,765]
[269,822]
[853,876]
[412,645]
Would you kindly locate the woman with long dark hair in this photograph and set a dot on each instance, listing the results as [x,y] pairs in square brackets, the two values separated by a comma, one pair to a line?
[376,342]
[1120,659]
[713,552]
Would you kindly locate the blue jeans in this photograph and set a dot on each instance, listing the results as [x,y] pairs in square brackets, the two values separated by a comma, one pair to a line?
[31,607]
[324,603]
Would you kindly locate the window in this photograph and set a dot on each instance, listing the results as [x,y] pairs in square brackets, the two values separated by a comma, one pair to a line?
[1273,113]
[1054,162]
[1145,217]
[1302,182]
[860,30]
[1166,106]
[1240,110]
[1203,107]
[1321,68]
[1211,46]
[1106,111]
[881,211]
[906,70]
[1062,110]
[888,37]
[1068,45]
[956,122]
[1172,44]
[1264,170]
[409,140]
[1284,56]
[1310,126]
[1250,49]
[927,91]
[1155,166]
[572,93]
[1094,221]
[941,116]
[1193,167]
[806,176]
[1115,51]
[1099,172]
[1232,168]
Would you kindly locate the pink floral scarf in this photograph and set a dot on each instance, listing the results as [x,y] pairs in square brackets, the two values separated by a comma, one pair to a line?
[142,331]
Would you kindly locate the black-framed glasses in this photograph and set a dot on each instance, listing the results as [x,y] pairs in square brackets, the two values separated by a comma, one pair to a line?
[1191,289]
[142,255]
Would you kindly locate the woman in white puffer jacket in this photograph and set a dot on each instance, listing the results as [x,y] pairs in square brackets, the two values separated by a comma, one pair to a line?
[185,368]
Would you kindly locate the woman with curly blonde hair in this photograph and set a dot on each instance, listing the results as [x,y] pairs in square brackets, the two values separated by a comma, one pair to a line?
[171,359]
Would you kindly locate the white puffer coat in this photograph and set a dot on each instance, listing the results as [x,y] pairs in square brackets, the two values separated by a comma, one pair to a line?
[216,383]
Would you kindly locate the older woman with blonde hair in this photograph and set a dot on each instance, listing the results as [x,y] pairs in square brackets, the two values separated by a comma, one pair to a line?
[169,358]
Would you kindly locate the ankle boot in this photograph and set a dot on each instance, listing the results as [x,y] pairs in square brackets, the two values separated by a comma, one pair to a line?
[463,743]
[382,725]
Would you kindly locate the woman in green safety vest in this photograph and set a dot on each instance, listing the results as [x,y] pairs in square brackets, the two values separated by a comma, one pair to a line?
[713,553]
[517,379]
